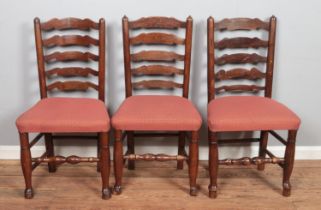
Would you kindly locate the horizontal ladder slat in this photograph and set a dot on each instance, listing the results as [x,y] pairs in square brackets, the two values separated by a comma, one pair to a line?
[70,40]
[241,42]
[152,157]
[241,24]
[239,73]
[240,58]
[69,23]
[71,56]
[156,23]
[156,84]
[157,70]
[72,72]
[156,56]
[72,86]
[156,38]
[239,88]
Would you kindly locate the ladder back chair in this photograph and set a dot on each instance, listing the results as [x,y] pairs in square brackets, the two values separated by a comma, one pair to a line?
[249,112]
[68,117]
[168,115]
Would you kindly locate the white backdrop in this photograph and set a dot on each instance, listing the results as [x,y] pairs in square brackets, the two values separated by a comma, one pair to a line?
[297,66]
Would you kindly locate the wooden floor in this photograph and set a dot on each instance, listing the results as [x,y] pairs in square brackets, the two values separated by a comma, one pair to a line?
[155,185]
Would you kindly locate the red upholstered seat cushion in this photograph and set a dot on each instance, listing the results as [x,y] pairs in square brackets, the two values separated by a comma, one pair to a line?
[157,112]
[249,113]
[65,115]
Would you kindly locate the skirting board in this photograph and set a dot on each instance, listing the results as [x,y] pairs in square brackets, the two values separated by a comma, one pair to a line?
[302,152]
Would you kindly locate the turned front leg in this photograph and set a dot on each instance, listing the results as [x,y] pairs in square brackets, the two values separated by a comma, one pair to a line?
[118,161]
[26,164]
[193,162]
[213,164]
[104,159]
[289,162]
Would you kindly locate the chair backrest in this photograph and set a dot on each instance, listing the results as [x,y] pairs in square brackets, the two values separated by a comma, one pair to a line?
[67,42]
[240,59]
[158,60]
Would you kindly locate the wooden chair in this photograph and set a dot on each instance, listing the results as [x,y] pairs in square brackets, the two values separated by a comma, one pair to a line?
[60,115]
[169,115]
[246,113]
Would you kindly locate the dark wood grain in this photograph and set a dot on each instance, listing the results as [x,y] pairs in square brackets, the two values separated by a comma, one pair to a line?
[71,86]
[70,40]
[239,73]
[69,23]
[241,24]
[127,56]
[239,88]
[241,42]
[157,70]
[156,38]
[239,58]
[210,59]
[71,56]
[187,57]
[156,84]
[156,56]
[156,23]
[71,72]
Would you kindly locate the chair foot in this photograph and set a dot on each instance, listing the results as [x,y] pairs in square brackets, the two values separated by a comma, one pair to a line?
[286,189]
[193,191]
[261,167]
[117,189]
[212,191]
[28,193]
[52,169]
[106,193]
[131,165]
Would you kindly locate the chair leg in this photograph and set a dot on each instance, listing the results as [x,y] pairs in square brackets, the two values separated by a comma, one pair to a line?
[104,159]
[289,162]
[118,161]
[193,162]
[263,146]
[213,164]
[131,149]
[50,152]
[181,149]
[26,163]
[98,153]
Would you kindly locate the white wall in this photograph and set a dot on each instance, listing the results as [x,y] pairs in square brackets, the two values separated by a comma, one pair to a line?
[297,68]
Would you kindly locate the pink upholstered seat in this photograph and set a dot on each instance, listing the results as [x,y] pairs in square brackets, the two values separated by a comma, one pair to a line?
[65,115]
[152,112]
[247,113]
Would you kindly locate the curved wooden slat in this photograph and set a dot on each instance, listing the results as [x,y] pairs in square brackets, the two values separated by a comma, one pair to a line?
[71,72]
[241,24]
[239,58]
[156,55]
[156,38]
[69,23]
[240,73]
[156,84]
[157,23]
[241,42]
[71,86]
[70,40]
[157,70]
[71,56]
[239,88]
